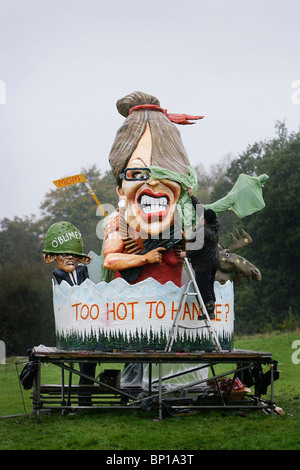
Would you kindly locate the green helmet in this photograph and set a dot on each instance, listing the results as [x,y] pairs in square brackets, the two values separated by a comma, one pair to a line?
[63,237]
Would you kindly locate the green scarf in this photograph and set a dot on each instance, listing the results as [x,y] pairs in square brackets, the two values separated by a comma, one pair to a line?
[185,208]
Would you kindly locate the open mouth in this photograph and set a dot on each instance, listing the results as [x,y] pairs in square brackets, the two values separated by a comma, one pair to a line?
[153,204]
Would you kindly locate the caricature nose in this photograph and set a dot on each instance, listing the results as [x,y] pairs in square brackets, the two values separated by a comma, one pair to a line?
[153,182]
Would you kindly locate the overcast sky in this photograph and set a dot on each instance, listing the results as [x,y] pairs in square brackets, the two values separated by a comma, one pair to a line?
[65,63]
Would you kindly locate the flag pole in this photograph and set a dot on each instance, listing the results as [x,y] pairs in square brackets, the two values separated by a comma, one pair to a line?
[70,180]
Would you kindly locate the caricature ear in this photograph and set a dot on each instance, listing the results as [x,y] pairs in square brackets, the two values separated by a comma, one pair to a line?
[120,192]
[49,257]
[123,199]
[85,259]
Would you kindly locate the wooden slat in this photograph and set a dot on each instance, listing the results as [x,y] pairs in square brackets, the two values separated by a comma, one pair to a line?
[46,353]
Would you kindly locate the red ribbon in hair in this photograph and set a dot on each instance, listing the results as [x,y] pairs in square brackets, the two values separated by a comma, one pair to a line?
[176,118]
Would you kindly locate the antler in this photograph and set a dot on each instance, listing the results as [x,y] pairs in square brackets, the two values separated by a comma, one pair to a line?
[239,241]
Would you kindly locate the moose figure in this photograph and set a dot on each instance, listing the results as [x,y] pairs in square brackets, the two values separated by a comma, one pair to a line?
[234,267]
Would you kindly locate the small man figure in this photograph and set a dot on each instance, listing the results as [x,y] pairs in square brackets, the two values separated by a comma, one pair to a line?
[64,245]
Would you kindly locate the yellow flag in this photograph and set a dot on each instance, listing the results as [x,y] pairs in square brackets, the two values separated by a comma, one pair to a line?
[69,180]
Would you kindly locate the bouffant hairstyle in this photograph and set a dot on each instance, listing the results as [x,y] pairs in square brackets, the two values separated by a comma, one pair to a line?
[167,147]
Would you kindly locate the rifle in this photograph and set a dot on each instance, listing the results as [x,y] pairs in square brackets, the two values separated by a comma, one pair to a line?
[167,240]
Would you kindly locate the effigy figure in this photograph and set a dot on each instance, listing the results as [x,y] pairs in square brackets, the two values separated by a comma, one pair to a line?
[233,267]
[153,174]
[63,244]
[134,304]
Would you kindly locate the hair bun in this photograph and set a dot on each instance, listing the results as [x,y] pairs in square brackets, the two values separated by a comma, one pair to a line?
[134,99]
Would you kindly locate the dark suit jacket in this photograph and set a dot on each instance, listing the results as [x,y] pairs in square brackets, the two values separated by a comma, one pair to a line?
[81,271]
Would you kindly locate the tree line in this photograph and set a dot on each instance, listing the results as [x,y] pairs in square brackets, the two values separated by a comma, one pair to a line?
[26,309]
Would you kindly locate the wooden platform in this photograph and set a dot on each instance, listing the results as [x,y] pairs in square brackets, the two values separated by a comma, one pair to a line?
[66,396]
[52,354]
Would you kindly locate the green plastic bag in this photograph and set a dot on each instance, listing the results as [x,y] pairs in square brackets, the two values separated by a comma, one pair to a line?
[245,197]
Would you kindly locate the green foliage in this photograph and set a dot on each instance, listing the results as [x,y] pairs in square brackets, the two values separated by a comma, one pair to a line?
[25,295]
[276,235]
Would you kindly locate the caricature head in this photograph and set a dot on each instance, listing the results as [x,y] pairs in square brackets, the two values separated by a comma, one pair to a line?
[147,138]
[63,243]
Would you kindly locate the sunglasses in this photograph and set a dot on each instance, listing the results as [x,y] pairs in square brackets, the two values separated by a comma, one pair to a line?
[136,174]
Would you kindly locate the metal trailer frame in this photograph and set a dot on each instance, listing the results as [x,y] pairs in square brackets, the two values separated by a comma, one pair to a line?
[64,396]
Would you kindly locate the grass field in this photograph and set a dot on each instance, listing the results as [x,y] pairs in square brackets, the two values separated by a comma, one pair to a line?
[138,430]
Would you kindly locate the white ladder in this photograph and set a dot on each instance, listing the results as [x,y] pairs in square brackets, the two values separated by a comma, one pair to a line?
[192,282]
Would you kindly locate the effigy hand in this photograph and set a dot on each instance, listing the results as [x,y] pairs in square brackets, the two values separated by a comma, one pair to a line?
[154,256]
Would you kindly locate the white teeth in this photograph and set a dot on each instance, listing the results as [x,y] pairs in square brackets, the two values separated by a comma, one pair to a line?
[153,204]
[154,200]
